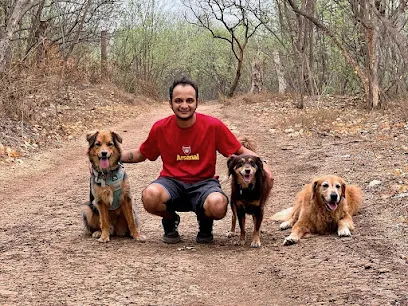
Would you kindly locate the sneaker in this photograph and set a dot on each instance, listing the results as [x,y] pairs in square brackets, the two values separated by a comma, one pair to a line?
[205,231]
[170,226]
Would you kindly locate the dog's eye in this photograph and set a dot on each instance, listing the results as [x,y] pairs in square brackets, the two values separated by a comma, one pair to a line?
[338,186]
[325,185]
[110,144]
[98,144]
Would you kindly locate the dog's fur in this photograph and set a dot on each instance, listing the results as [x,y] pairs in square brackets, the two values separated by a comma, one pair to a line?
[100,218]
[325,205]
[250,189]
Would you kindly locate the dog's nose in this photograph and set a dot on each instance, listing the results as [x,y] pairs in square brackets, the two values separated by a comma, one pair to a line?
[104,153]
[333,196]
[247,171]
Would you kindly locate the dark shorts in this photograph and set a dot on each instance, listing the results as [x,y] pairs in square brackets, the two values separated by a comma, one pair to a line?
[188,197]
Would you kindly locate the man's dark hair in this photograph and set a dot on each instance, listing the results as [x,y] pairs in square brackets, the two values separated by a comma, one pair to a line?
[183,81]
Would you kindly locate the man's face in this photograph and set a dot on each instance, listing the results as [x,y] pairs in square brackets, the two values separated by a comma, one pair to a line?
[184,101]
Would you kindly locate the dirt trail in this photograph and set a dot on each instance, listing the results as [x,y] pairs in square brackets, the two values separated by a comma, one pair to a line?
[46,259]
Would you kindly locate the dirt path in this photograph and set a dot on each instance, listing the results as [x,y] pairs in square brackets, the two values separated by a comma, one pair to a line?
[46,259]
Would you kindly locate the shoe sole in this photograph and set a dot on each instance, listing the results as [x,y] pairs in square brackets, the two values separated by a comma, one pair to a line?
[205,240]
[171,240]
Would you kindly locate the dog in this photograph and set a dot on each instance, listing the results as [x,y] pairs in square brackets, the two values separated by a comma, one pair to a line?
[110,210]
[250,190]
[325,205]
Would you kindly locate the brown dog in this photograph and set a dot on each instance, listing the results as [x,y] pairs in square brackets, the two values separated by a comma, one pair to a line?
[110,210]
[325,205]
[250,189]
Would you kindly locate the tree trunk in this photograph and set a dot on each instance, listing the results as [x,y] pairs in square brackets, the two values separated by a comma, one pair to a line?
[374,86]
[256,77]
[104,54]
[279,72]
[237,77]
[6,33]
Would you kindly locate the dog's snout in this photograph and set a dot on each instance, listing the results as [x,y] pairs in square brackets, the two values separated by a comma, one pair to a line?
[247,171]
[104,154]
[333,196]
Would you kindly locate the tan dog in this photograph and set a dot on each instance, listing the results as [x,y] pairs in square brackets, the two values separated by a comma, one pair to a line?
[110,210]
[325,205]
[250,189]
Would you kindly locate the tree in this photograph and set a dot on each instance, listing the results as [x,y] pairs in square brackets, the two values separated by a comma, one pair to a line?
[17,11]
[235,17]
[367,73]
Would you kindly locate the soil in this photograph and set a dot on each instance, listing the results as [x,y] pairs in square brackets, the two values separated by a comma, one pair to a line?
[47,260]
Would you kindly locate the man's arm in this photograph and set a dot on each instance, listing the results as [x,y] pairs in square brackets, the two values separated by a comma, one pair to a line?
[132,156]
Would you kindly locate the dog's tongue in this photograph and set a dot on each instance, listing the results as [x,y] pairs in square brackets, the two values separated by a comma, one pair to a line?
[332,205]
[247,178]
[104,163]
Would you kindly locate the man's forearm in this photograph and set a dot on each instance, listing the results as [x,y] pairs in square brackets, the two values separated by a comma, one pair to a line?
[132,156]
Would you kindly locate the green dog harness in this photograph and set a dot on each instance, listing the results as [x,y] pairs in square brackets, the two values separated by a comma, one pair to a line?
[113,179]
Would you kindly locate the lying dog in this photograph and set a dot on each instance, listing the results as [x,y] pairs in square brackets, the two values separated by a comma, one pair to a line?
[325,205]
[110,210]
[250,189]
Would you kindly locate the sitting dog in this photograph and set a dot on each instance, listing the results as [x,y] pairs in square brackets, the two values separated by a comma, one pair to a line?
[250,189]
[325,205]
[110,210]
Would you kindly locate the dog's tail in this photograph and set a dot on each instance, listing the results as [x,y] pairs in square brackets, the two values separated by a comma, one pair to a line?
[283,215]
[247,143]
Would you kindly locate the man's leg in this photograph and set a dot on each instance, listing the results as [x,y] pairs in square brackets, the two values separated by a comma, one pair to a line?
[212,206]
[154,198]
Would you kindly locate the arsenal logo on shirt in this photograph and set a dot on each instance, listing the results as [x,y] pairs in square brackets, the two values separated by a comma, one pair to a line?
[186,150]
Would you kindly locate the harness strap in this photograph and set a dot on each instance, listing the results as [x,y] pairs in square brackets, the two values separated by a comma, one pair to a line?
[113,179]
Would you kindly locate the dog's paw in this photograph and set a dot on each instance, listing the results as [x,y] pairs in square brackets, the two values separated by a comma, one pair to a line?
[96,234]
[231,234]
[104,239]
[344,232]
[290,240]
[140,238]
[285,225]
[239,242]
[255,244]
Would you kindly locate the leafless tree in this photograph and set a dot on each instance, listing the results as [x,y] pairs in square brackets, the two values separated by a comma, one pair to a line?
[237,20]
[12,17]
[368,74]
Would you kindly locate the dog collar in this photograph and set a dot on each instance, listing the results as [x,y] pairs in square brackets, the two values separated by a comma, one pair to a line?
[250,187]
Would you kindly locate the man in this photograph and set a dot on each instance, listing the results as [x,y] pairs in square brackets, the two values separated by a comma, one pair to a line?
[187,143]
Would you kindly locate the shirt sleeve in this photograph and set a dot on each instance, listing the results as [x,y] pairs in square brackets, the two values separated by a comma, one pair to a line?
[227,143]
[149,148]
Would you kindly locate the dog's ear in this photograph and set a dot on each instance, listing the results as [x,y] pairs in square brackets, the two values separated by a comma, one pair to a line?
[315,186]
[343,189]
[231,164]
[116,138]
[91,137]
[259,163]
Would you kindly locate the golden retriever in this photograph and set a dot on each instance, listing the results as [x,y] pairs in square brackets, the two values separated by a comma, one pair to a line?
[325,205]
[110,210]
[250,189]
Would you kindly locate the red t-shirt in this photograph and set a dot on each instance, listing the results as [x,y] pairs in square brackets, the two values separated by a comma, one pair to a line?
[189,155]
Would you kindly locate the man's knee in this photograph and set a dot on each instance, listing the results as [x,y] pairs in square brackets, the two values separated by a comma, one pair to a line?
[153,199]
[215,206]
